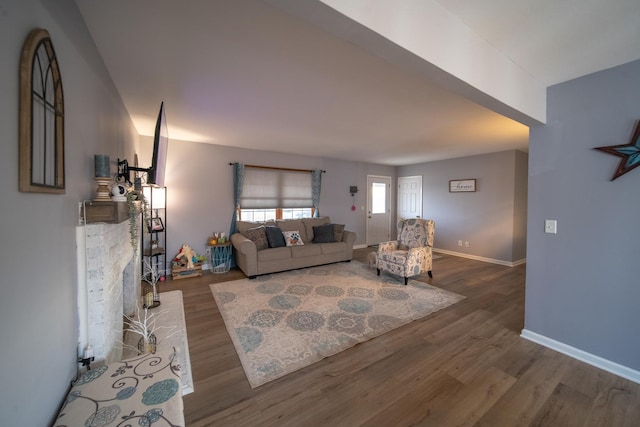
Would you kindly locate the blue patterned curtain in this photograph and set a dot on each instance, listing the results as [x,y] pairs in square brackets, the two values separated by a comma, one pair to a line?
[316,183]
[238,179]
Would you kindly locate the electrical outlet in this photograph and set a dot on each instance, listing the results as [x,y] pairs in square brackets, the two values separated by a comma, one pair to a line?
[466,244]
[551,226]
[459,242]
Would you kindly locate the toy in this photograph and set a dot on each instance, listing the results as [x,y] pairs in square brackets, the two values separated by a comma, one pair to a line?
[187,253]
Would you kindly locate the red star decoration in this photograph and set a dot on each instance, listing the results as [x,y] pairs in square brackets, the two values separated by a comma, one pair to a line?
[630,153]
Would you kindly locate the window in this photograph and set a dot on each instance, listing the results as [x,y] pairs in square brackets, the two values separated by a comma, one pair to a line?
[278,213]
[275,194]
[296,213]
[257,214]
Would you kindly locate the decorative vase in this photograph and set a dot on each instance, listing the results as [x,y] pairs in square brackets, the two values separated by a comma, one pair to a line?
[147,346]
[151,297]
[103,193]
[118,193]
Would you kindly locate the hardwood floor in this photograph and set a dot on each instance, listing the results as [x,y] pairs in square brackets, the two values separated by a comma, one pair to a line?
[462,366]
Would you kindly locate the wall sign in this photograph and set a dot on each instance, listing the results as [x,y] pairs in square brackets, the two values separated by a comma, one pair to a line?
[462,185]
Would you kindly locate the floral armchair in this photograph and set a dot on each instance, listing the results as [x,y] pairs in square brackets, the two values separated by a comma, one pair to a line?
[411,254]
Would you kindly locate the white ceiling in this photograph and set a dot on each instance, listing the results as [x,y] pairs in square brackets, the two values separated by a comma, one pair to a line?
[246,73]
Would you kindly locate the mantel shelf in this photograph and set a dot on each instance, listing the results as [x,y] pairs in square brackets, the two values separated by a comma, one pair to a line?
[107,211]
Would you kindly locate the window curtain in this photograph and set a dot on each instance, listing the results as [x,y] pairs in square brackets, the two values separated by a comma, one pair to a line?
[316,183]
[238,183]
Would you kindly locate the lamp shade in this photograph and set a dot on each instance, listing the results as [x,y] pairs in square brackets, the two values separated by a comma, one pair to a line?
[155,196]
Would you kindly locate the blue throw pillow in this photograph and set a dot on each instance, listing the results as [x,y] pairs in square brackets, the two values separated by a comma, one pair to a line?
[275,237]
[323,234]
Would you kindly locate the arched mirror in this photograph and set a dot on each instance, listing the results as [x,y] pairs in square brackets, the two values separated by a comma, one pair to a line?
[41,117]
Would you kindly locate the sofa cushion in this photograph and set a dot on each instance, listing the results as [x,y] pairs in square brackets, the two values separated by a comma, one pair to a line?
[275,237]
[309,223]
[338,231]
[323,234]
[258,236]
[333,248]
[293,225]
[396,257]
[292,238]
[306,250]
[274,254]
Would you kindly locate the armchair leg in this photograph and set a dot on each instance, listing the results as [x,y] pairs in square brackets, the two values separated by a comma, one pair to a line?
[378,271]
[406,280]
[430,274]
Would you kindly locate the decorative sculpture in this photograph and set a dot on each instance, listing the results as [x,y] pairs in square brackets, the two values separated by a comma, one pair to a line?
[630,153]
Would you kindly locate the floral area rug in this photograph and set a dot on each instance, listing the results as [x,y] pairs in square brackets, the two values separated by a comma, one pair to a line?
[282,322]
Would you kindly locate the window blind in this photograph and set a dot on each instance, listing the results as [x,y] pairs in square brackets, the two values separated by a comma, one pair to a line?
[268,189]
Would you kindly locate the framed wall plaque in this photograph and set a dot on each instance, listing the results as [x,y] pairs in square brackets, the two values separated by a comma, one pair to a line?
[462,185]
[155,224]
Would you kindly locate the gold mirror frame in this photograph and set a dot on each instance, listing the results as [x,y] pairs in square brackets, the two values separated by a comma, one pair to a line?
[41,166]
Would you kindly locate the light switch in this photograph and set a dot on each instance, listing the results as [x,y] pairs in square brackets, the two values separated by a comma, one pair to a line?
[550,226]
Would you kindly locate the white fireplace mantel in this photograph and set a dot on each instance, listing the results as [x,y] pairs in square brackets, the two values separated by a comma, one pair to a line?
[108,286]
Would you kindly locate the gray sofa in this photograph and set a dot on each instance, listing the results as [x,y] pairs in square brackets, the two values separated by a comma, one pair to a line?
[256,255]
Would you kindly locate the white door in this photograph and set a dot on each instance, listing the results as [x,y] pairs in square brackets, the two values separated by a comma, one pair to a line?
[410,197]
[378,209]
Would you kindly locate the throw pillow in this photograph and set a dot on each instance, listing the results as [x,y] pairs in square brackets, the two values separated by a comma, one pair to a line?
[309,223]
[275,237]
[338,231]
[323,234]
[292,238]
[406,240]
[294,225]
[258,236]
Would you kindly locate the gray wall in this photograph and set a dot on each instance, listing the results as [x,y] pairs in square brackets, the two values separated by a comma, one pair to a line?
[583,286]
[492,219]
[38,312]
[520,188]
[199,184]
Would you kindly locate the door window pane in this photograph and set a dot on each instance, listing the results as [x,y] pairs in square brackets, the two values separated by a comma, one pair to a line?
[378,198]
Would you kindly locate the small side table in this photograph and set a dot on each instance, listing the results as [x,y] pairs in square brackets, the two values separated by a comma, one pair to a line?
[220,257]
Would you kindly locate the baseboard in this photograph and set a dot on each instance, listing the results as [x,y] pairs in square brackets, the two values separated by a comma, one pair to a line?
[583,356]
[474,257]
[483,259]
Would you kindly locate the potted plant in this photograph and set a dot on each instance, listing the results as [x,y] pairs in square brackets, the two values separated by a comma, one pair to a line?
[143,324]
[136,203]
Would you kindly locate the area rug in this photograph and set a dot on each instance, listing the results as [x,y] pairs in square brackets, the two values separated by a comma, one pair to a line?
[280,323]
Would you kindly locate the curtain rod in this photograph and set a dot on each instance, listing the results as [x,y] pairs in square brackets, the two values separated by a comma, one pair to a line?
[277,169]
